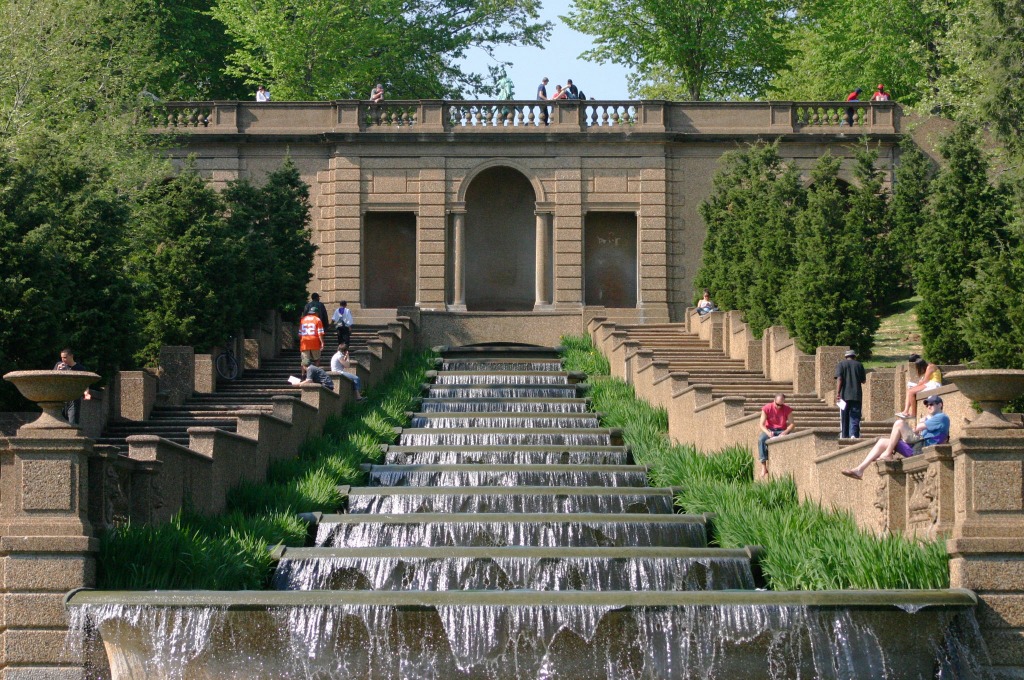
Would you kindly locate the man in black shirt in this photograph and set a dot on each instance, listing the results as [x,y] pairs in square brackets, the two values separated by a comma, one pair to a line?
[72,409]
[849,394]
[314,306]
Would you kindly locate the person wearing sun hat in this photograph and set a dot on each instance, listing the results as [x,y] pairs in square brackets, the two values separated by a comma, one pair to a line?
[849,394]
[932,430]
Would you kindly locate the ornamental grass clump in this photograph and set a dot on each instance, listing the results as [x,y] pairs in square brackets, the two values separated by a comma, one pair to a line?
[232,551]
[806,546]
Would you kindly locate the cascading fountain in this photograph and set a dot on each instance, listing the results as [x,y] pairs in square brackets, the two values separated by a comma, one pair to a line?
[508,535]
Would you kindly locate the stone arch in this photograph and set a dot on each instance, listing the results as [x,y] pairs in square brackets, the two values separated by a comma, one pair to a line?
[528,173]
[500,240]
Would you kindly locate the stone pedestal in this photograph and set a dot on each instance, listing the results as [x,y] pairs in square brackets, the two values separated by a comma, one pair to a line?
[46,549]
[987,545]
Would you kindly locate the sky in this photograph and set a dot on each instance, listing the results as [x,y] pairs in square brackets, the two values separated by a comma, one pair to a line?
[559,62]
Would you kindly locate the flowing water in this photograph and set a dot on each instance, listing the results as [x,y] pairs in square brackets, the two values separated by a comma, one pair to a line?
[493,493]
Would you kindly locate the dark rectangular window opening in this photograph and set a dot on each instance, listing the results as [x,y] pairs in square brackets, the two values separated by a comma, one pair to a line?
[389,259]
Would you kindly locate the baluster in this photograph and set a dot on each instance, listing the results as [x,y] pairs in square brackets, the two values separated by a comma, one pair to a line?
[532,117]
[604,116]
[519,117]
[615,116]
[405,119]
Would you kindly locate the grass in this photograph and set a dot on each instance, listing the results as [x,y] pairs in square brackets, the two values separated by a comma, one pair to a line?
[232,551]
[806,546]
[898,336]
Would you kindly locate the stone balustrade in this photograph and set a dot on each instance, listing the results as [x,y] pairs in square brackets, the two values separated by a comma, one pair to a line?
[467,117]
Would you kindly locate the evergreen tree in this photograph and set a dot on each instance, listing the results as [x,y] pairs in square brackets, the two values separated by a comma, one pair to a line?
[827,297]
[965,214]
[185,266]
[750,218]
[993,321]
[867,219]
[906,213]
[62,263]
[270,223]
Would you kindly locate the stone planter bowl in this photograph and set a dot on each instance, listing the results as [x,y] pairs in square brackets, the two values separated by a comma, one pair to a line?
[51,389]
[991,389]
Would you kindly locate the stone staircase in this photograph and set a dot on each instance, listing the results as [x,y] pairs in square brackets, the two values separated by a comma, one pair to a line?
[686,352]
[251,391]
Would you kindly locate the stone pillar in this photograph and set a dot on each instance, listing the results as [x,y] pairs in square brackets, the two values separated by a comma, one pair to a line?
[987,546]
[458,262]
[46,549]
[178,372]
[542,274]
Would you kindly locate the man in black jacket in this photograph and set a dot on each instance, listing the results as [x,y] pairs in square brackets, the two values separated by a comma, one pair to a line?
[314,306]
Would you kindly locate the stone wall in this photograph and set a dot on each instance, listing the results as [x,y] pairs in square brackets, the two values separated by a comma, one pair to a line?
[654,160]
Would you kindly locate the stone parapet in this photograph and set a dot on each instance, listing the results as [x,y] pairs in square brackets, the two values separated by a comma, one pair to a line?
[136,394]
[186,476]
[593,117]
[177,373]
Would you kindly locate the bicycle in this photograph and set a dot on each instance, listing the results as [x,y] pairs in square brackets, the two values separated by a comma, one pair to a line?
[226,363]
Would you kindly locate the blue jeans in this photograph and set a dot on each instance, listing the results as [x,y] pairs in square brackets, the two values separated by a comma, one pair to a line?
[762,444]
[849,420]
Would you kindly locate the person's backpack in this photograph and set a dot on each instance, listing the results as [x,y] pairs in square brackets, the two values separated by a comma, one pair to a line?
[582,96]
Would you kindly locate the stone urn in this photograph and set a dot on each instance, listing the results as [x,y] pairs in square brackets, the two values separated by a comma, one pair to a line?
[991,389]
[51,389]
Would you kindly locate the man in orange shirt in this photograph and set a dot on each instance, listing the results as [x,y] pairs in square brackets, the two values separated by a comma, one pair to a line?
[311,339]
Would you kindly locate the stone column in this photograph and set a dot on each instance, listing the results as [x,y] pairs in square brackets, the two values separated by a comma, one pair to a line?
[986,551]
[46,549]
[542,274]
[458,262]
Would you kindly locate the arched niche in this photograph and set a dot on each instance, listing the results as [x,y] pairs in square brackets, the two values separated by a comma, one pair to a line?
[500,241]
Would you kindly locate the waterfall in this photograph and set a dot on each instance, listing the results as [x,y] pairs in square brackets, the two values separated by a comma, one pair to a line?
[504,422]
[395,477]
[507,573]
[398,504]
[504,406]
[511,532]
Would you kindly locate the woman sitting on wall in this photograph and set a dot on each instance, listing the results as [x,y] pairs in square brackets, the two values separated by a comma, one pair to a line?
[706,306]
[928,378]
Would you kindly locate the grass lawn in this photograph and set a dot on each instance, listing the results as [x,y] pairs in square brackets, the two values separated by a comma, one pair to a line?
[897,337]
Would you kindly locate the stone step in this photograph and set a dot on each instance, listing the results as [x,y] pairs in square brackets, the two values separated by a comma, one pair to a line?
[511,499]
[531,529]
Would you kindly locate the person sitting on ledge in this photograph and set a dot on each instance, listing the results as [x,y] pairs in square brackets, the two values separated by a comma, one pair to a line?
[706,306]
[775,422]
[934,429]
[929,377]
[340,364]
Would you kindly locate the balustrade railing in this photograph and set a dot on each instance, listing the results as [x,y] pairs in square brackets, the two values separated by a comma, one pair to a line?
[592,116]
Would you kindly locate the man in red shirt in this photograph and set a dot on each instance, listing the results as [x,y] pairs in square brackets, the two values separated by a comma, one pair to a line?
[775,422]
[311,339]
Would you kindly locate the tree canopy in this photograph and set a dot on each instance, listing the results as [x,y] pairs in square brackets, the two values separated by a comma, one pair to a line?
[703,49]
[322,49]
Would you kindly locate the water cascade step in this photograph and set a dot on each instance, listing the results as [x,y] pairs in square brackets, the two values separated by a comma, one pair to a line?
[507,534]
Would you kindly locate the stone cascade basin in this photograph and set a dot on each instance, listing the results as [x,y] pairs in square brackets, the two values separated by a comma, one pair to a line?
[507,534]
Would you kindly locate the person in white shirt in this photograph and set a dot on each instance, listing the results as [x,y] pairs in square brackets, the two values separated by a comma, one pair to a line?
[340,364]
[262,94]
[343,322]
